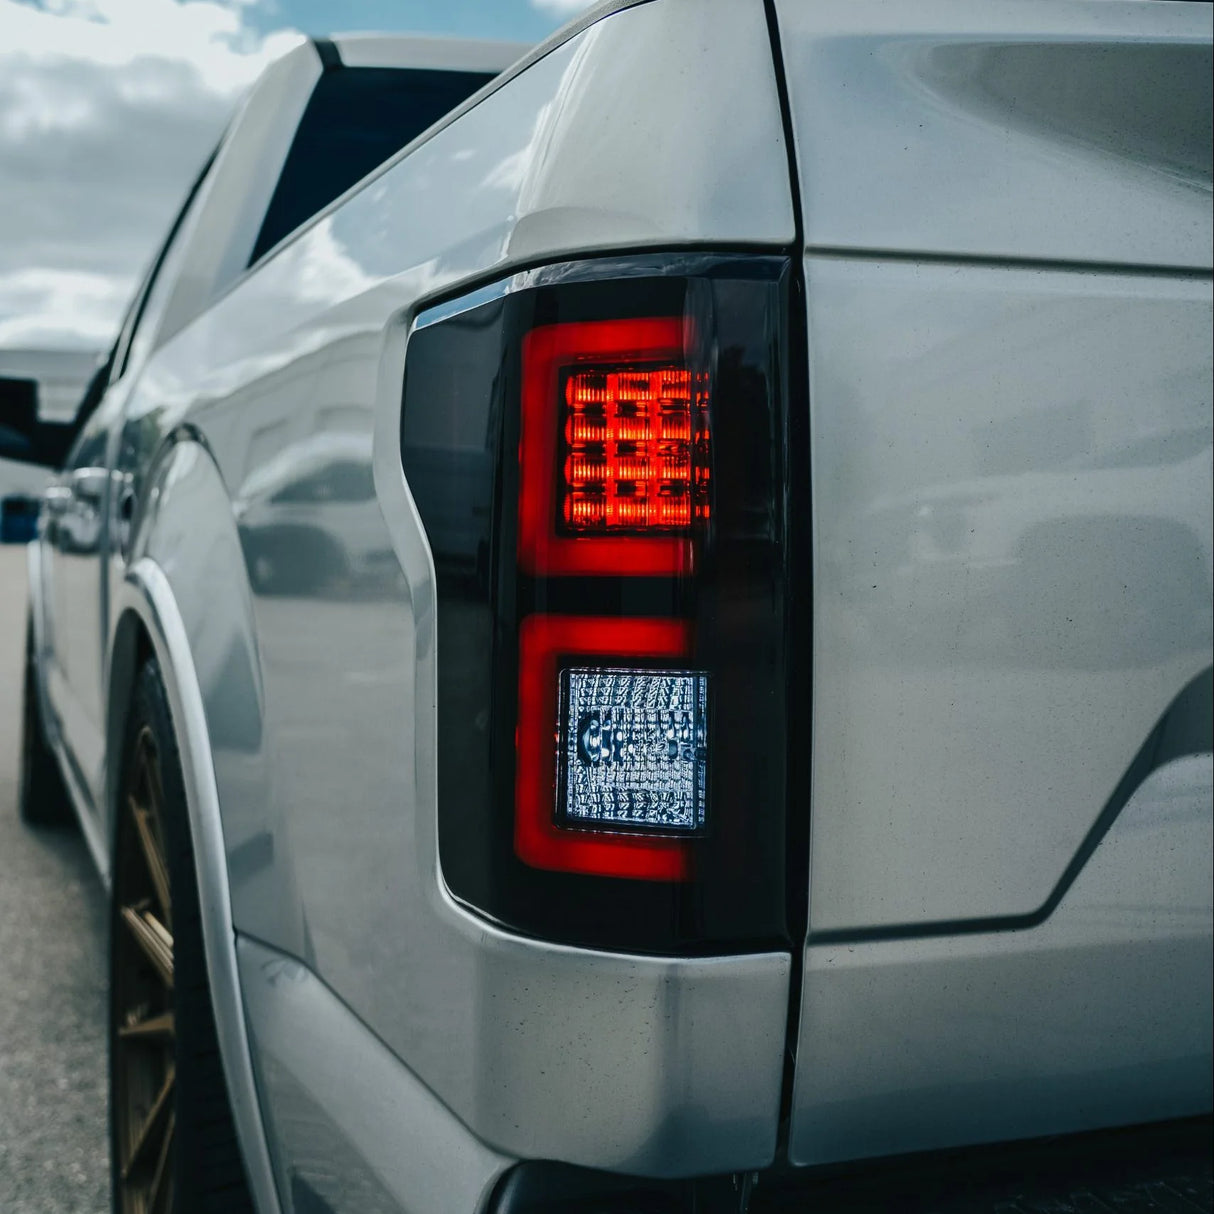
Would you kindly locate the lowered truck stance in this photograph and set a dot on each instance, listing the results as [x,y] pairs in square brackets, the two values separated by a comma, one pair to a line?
[649,615]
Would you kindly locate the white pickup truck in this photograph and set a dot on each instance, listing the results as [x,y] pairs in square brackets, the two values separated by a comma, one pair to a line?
[627,628]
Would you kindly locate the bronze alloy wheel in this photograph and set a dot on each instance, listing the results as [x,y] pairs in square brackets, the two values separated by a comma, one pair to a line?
[173,1142]
[144,1110]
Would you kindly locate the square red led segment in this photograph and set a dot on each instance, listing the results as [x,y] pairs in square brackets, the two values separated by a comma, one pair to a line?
[546,643]
[628,446]
[614,468]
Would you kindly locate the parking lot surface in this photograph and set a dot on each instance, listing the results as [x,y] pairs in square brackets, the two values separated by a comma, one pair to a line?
[53,1149]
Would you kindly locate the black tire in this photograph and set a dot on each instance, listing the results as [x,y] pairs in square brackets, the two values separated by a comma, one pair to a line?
[42,798]
[204,1157]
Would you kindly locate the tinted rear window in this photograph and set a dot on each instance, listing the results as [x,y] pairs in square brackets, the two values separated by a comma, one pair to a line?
[356,119]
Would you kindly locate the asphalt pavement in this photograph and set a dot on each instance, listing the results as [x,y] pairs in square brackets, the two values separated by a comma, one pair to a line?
[53,1146]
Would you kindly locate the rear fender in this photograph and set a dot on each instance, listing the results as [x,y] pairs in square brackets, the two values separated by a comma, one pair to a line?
[189,605]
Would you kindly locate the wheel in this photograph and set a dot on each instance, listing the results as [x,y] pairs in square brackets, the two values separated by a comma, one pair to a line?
[42,798]
[173,1146]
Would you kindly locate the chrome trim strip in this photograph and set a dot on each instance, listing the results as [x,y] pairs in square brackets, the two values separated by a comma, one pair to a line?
[147,592]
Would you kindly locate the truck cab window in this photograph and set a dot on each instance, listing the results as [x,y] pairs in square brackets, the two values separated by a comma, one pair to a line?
[356,119]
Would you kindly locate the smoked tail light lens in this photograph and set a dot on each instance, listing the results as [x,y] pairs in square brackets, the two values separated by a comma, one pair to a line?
[597,456]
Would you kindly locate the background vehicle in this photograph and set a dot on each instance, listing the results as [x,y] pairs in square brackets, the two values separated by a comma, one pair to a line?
[648,350]
[37,383]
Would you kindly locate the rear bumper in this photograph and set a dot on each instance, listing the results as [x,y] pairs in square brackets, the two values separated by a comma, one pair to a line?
[624,1063]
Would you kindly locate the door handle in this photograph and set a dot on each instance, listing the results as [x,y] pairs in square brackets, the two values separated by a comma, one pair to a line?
[56,498]
[89,484]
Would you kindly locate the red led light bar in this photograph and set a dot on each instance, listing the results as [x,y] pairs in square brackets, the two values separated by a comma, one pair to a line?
[613,454]
[545,641]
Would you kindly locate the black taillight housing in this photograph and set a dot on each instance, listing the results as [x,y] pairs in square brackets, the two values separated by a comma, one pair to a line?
[597,452]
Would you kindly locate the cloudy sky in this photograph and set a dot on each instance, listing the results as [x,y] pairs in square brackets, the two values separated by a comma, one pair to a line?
[108,108]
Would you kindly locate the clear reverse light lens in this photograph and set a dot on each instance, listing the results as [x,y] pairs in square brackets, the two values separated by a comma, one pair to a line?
[633,748]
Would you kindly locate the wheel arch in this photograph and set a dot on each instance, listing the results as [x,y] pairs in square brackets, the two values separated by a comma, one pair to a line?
[150,625]
[149,622]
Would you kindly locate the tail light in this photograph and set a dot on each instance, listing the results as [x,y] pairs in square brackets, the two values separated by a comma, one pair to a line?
[596,456]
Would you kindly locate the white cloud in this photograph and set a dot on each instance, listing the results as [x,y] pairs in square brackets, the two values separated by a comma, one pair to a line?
[107,110]
[206,37]
[561,8]
[60,308]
